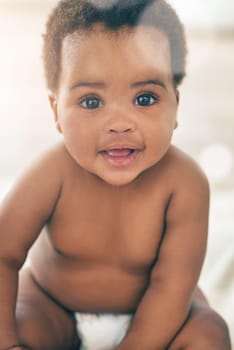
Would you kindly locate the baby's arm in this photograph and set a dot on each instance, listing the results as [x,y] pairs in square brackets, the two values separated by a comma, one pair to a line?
[167,300]
[22,215]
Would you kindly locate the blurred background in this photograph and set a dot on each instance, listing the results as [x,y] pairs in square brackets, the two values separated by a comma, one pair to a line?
[206,115]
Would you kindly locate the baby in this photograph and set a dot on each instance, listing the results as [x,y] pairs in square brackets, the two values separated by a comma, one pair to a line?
[118,214]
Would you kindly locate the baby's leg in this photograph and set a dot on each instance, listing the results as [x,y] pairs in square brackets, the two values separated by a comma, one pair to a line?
[42,324]
[204,329]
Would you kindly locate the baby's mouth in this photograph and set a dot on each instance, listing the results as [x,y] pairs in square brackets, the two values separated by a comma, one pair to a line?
[120,157]
[124,152]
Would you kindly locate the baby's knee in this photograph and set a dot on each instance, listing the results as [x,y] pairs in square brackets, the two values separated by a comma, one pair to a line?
[218,330]
[40,329]
[27,330]
[205,330]
[215,334]
[35,329]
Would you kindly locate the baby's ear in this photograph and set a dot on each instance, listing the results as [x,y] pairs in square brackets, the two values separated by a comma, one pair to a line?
[177,96]
[177,93]
[54,106]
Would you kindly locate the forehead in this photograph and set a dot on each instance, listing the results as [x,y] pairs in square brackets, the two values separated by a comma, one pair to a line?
[132,51]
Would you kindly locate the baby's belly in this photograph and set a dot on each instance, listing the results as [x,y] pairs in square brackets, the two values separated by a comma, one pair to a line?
[84,282]
[92,289]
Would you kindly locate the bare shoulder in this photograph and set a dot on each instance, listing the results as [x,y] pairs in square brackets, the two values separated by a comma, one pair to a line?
[41,181]
[185,171]
[190,193]
[31,202]
[51,164]
[60,159]
[55,157]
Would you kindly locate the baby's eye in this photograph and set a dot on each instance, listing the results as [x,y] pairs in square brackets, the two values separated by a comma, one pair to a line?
[146,99]
[91,102]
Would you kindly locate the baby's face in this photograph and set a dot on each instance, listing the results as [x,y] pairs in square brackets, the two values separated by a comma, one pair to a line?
[116,104]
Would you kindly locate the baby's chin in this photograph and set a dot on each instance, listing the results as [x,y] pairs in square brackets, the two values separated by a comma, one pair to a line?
[119,182]
[118,179]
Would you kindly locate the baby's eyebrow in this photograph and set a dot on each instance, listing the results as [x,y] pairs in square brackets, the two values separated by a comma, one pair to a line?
[149,82]
[99,84]
[87,84]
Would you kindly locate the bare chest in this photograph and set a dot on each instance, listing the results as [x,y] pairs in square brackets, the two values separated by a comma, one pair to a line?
[98,230]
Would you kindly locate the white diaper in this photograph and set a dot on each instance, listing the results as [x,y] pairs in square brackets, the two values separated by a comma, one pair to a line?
[101,331]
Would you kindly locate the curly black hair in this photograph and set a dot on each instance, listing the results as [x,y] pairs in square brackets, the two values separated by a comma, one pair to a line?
[70,16]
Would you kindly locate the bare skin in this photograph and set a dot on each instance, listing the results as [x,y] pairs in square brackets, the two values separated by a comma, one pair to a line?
[123,232]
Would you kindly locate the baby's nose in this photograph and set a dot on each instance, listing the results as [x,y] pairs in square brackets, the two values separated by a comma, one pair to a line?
[121,124]
[120,129]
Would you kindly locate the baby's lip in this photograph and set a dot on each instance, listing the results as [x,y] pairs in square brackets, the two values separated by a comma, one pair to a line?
[120,156]
[121,147]
[120,153]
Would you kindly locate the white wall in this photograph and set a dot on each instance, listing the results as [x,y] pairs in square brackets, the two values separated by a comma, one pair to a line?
[197,14]
[206,14]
